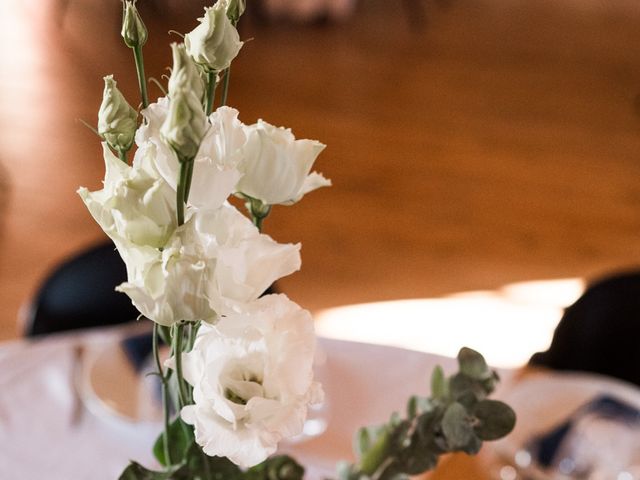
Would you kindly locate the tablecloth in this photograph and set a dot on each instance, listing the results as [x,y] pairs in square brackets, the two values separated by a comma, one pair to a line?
[47,433]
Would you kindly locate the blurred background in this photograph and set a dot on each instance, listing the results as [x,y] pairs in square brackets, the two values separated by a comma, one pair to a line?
[472,143]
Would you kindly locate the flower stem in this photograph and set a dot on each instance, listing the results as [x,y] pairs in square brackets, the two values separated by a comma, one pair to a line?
[181,190]
[177,343]
[165,394]
[122,155]
[225,86]
[188,179]
[142,82]
[211,92]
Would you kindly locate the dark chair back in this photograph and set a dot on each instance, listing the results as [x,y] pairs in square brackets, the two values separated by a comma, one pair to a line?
[600,332]
[80,293]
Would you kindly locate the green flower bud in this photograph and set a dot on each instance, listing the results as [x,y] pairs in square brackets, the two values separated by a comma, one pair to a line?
[133,32]
[185,73]
[185,125]
[117,120]
[215,42]
[235,9]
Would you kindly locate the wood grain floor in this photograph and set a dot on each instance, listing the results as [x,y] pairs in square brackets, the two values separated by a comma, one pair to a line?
[500,143]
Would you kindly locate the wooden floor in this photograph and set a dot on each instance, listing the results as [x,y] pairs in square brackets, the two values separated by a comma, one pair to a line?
[499,143]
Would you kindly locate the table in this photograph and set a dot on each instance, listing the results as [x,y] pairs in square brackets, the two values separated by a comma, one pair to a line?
[46,431]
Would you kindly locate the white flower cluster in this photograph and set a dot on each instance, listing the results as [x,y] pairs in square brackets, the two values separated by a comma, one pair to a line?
[251,365]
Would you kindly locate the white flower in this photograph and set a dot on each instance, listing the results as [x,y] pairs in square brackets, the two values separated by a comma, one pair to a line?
[136,205]
[215,42]
[276,167]
[212,264]
[117,120]
[246,261]
[167,286]
[253,380]
[215,173]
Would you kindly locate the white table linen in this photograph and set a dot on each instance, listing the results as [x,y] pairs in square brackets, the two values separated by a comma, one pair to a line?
[45,431]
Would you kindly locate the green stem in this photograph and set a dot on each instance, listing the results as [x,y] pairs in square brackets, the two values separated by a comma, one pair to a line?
[188,179]
[225,86]
[211,92]
[180,191]
[142,82]
[122,155]
[165,394]
[177,342]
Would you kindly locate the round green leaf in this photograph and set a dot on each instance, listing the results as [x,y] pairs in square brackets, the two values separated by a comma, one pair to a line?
[495,419]
[456,426]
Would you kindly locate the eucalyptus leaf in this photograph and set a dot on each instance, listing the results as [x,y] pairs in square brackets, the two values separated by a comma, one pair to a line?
[456,426]
[466,390]
[418,405]
[362,441]
[439,384]
[473,364]
[376,454]
[495,419]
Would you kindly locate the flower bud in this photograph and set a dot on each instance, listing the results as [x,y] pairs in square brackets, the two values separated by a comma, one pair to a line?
[184,74]
[235,9]
[215,42]
[117,120]
[185,125]
[133,32]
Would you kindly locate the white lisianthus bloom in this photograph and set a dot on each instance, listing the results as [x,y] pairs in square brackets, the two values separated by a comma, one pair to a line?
[215,42]
[246,262]
[136,205]
[215,173]
[167,286]
[212,264]
[276,167]
[252,380]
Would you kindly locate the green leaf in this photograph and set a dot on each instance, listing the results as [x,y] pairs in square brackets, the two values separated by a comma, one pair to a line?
[456,426]
[473,364]
[473,446]
[418,405]
[439,384]
[362,441]
[366,437]
[135,471]
[280,467]
[180,438]
[210,468]
[495,419]
[375,455]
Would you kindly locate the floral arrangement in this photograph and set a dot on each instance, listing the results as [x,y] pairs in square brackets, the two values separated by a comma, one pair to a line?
[240,372]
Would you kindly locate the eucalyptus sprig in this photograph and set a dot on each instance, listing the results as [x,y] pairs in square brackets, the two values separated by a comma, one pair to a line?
[457,416]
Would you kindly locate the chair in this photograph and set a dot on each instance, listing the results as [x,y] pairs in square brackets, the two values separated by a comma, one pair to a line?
[600,332]
[80,293]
